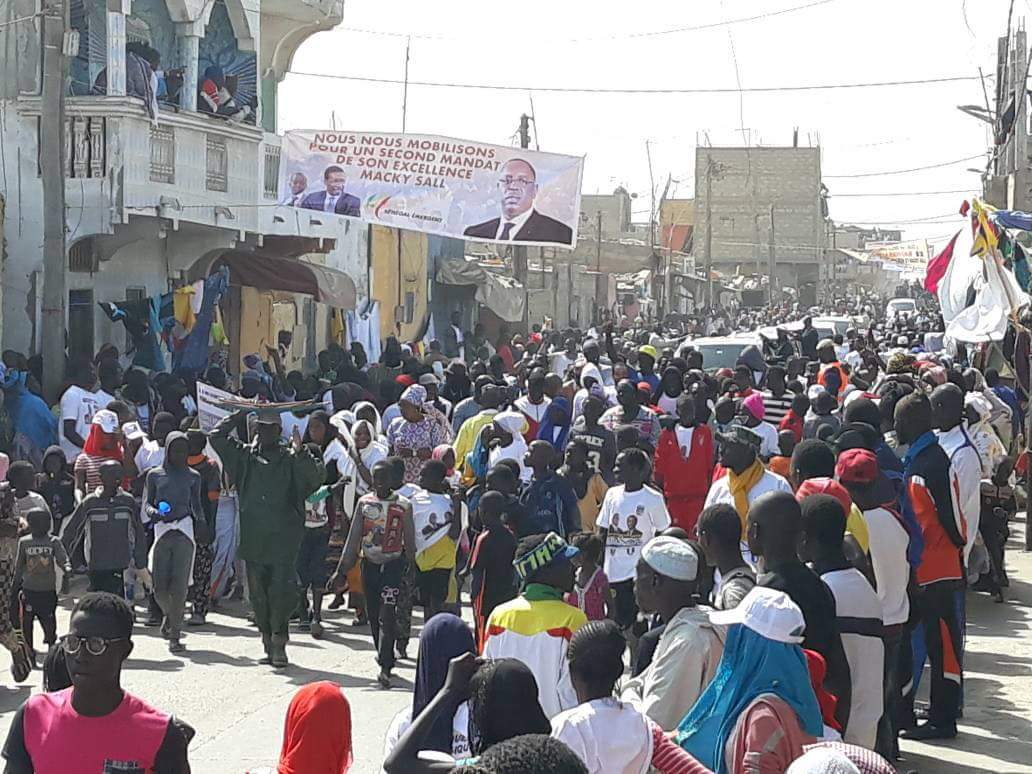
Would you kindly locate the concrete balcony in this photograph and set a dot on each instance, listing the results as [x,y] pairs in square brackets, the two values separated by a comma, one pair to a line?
[187,168]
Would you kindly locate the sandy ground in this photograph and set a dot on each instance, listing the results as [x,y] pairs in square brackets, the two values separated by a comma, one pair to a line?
[238,707]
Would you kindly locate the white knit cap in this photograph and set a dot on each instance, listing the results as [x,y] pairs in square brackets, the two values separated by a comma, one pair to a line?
[672,558]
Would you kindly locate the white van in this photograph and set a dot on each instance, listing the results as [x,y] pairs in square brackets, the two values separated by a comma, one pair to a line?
[900,306]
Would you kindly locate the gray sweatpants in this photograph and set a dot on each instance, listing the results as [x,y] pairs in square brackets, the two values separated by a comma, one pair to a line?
[172,571]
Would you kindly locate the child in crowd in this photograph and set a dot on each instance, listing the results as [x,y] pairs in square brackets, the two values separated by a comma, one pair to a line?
[39,555]
[382,529]
[588,484]
[781,463]
[311,557]
[998,507]
[22,476]
[609,735]
[57,486]
[492,578]
[106,534]
[591,586]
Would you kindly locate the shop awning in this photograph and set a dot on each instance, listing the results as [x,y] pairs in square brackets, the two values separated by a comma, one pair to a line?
[265,272]
[502,295]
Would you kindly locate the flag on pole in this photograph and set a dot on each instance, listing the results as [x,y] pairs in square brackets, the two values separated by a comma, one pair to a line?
[938,265]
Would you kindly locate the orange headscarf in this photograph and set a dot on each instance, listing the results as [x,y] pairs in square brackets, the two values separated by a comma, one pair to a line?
[317,735]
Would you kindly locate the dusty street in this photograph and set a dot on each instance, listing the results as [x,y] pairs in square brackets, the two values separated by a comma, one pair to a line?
[238,707]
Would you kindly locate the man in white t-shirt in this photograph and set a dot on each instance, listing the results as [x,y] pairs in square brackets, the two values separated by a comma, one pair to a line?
[78,405]
[631,515]
[857,608]
[874,494]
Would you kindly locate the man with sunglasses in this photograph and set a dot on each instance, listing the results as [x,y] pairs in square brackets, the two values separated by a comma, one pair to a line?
[95,723]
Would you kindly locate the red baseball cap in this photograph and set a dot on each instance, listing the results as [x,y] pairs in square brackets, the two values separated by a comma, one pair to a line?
[826,486]
[857,466]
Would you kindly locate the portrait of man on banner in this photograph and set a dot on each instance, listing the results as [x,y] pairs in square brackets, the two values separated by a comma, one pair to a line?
[519,221]
[333,198]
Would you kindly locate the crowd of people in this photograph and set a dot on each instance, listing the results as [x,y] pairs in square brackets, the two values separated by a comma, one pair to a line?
[666,567]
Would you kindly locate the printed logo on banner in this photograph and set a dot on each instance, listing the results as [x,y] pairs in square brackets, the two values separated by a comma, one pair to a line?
[438,185]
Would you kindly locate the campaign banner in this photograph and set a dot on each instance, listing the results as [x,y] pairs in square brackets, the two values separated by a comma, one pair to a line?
[438,185]
[209,405]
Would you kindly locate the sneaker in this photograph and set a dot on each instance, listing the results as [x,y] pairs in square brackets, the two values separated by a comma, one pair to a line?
[384,680]
[317,630]
[197,619]
[336,603]
[175,646]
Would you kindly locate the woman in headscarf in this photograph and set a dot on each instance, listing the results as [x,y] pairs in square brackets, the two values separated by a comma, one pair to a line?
[507,442]
[503,703]
[317,732]
[445,453]
[35,426]
[671,385]
[414,435]
[555,427]
[367,410]
[103,443]
[1000,413]
[760,709]
[356,466]
[444,637]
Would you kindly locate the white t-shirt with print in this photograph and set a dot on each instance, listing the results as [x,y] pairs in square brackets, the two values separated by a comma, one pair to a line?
[79,405]
[431,515]
[632,520]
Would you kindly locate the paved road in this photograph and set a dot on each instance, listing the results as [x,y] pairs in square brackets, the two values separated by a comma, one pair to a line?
[238,707]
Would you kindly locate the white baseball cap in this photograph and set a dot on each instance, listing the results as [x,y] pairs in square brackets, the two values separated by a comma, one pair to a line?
[108,420]
[671,557]
[767,612]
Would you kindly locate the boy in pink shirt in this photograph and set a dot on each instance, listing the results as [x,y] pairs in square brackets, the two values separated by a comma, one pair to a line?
[95,725]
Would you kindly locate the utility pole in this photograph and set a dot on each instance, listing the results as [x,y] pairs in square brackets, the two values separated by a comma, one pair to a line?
[519,252]
[771,261]
[709,230]
[55,260]
[599,289]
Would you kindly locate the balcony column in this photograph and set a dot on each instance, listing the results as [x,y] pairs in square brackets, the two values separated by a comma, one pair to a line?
[188,37]
[116,13]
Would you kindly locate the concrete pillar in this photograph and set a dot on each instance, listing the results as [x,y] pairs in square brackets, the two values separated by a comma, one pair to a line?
[188,37]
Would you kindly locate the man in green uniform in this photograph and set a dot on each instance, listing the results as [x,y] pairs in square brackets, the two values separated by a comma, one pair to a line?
[272,481]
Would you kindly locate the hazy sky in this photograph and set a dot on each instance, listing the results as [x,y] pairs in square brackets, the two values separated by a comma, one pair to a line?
[543,45]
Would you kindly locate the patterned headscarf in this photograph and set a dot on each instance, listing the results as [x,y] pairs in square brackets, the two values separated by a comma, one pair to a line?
[416,395]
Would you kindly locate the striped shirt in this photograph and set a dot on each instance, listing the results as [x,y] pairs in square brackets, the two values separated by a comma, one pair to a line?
[774,409]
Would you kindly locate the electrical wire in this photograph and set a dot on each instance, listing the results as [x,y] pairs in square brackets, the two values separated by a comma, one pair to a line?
[590,39]
[904,171]
[592,90]
[19,20]
[905,193]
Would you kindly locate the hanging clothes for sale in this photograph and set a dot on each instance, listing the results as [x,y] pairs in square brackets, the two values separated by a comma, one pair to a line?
[363,326]
[192,357]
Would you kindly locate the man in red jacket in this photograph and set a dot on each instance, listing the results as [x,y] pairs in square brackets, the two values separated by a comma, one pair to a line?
[684,464]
